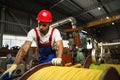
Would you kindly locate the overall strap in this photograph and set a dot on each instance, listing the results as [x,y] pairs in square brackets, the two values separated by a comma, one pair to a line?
[50,38]
[37,36]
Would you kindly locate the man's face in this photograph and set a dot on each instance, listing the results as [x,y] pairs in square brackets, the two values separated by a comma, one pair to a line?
[43,27]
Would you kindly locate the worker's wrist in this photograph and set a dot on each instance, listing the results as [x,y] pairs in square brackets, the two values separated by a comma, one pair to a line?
[59,56]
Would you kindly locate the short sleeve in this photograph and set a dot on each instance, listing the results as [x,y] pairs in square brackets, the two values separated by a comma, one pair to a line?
[57,35]
[31,35]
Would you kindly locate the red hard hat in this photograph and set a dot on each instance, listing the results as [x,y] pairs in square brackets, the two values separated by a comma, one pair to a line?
[44,16]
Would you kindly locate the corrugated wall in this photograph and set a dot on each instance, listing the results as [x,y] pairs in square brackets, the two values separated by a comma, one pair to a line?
[17,22]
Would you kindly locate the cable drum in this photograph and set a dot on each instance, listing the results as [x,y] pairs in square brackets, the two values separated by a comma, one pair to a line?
[72,73]
[65,73]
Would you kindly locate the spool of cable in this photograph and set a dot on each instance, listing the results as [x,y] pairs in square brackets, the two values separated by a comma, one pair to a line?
[71,73]
[104,66]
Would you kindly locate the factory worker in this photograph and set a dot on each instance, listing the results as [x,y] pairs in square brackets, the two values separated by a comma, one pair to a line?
[44,36]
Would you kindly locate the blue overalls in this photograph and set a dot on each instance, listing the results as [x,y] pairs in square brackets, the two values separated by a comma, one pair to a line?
[46,54]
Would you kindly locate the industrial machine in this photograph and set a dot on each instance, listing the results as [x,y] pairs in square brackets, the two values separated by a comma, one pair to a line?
[3,64]
[106,53]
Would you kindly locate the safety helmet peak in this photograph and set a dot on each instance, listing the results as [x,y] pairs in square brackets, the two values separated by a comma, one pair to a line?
[44,16]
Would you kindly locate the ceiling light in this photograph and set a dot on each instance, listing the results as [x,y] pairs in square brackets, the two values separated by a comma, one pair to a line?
[99,8]
[113,23]
[107,17]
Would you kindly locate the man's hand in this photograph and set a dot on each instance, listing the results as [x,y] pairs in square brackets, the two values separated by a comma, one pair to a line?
[8,73]
[56,61]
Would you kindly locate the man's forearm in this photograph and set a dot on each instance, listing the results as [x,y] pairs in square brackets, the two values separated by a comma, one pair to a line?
[20,55]
[60,50]
[22,52]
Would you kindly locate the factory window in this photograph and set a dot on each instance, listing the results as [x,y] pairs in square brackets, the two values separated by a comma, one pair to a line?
[11,40]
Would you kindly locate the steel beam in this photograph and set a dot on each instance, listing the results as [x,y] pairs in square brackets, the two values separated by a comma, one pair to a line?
[2,26]
[94,23]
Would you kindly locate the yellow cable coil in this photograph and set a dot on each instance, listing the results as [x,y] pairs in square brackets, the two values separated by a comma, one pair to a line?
[68,64]
[65,73]
[104,66]
[75,65]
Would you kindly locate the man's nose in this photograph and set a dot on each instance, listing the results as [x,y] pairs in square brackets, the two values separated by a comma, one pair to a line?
[40,26]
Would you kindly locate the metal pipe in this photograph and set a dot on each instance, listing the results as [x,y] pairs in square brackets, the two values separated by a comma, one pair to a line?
[64,21]
[109,44]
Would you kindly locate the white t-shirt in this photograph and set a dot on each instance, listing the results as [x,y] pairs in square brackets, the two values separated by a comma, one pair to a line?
[31,36]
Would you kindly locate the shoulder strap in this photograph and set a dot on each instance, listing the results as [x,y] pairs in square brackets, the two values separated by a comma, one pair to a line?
[37,36]
[51,34]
